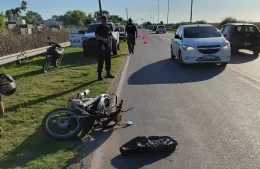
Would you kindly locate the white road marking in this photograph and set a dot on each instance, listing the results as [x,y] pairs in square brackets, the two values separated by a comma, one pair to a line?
[99,153]
[250,83]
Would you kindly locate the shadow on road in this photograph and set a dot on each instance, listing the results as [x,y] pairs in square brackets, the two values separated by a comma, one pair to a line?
[137,161]
[242,57]
[168,72]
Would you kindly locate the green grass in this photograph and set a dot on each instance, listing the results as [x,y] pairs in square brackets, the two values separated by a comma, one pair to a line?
[171,31]
[23,144]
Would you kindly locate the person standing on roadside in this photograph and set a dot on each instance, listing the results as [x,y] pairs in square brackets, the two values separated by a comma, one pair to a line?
[103,35]
[131,32]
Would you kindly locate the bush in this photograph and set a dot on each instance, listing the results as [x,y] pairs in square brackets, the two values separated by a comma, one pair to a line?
[12,43]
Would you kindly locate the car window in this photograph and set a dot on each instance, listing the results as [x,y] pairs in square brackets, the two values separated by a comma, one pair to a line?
[111,26]
[92,28]
[227,29]
[247,28]
[161,26]
[201,32]
[221,29]
[121,29]
[76,29]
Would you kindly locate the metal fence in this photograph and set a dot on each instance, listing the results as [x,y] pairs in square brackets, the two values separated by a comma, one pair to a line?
[27,54]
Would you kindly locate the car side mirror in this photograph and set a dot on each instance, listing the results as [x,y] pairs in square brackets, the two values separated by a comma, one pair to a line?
[225,35]
[177,37]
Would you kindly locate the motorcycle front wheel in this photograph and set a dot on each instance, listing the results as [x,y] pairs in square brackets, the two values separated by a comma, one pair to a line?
[59,61]
[62,127]
[46,64]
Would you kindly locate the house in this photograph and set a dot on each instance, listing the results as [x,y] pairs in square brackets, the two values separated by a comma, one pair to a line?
[11,22]
[50,23]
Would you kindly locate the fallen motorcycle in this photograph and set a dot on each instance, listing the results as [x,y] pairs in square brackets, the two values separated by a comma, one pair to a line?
[54,56]
[83,114]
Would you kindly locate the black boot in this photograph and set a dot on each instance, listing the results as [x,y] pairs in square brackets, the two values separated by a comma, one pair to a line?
[109,75]
[99,76]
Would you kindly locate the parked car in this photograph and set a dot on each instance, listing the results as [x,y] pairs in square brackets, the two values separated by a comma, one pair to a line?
[242,36]
[160,29]
[154,28]
[200,44]
[121,32]
[79,34]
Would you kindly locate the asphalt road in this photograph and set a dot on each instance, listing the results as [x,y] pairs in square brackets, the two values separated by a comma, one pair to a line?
[213,112]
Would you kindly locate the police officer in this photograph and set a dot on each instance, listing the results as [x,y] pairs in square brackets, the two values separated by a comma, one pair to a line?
[131,32]
[103,35]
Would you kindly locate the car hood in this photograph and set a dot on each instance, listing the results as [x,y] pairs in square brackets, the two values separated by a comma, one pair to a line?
[205,41]
[90,35]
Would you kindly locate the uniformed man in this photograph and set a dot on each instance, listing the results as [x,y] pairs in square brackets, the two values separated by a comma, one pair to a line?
[132,34]
[103,35]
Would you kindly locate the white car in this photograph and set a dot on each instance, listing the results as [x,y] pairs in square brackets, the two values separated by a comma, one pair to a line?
[160,29]
[78,34]
[200,44]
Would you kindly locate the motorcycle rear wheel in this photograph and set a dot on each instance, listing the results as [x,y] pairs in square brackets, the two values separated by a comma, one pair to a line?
[62,123]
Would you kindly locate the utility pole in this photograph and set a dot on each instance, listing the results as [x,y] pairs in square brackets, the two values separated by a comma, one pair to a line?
[100,8]
[168,11]
[153,15]
[158,12]
[126,13]
[191,8]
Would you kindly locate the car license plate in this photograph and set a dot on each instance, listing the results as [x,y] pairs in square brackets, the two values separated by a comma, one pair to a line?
[247,43]
[209,57]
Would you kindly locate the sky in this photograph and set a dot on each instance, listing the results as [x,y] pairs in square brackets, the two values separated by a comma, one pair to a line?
[208,10]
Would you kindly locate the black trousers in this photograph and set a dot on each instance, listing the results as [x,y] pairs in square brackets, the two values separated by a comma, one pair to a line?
[104,56]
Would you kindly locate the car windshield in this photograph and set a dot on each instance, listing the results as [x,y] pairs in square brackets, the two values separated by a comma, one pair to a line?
[121,29]
[247,29]
[201,32]
[161,27]
[92,28]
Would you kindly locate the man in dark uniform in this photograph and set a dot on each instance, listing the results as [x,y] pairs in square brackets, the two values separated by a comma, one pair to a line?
[103,35]
[131,32]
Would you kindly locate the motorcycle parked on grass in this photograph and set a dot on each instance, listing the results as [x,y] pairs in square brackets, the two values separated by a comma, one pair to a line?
[53,56]
[83,114]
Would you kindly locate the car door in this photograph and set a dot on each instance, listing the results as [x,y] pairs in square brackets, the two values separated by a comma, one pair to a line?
[177,42]
[173,41]
[76,34]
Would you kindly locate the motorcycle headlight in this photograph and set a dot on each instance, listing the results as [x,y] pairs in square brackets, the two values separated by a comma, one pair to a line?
[188,48]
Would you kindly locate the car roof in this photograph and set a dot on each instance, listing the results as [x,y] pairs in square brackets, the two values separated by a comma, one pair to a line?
[100,23]
[238,24]
[196,25]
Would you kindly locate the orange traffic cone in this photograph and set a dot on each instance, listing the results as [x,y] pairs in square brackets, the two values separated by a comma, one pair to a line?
[145,40]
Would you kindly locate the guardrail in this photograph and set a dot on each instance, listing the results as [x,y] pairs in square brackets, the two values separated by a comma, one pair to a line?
[26,54]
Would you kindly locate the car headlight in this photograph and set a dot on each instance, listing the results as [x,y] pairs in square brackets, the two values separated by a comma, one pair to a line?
[226,47]
[188,48]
